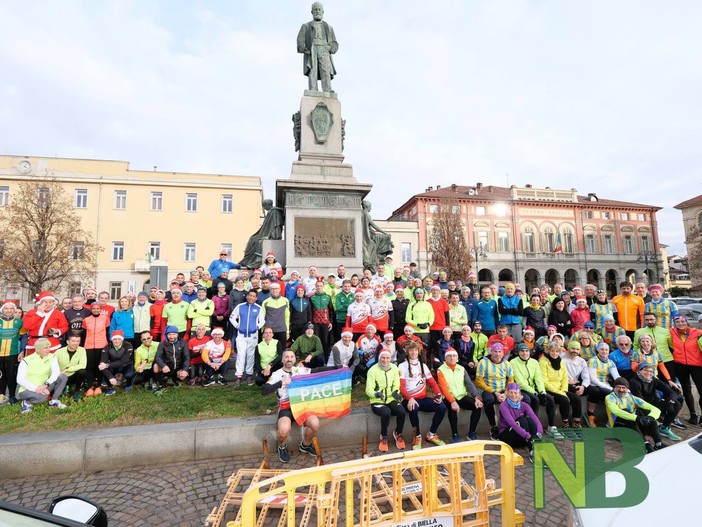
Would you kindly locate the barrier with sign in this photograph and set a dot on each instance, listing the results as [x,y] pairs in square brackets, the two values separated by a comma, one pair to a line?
[443,486]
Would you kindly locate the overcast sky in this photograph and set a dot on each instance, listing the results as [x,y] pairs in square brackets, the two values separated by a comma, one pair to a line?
[602,96]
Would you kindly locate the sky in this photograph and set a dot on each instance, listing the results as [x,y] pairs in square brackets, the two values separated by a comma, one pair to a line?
[599,96]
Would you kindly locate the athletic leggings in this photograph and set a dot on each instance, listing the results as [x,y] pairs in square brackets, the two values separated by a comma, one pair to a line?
[595,394]
[565,403]
[651,430]
[543,399]
[8,374]
[684,372]
[489,402]
[93,374]
[426,404]
[513,439]
[465,403]
[387,410]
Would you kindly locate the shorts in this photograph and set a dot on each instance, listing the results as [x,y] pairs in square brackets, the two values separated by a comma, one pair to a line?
[287,412]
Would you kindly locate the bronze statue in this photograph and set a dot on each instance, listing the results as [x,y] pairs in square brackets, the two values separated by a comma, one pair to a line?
[376,242]
[271,229]
[316,40]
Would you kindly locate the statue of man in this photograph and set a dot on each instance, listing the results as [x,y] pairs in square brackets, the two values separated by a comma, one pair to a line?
[317,42]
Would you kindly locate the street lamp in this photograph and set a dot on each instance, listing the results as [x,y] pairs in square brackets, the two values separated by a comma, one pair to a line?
[477,253]
[644,257]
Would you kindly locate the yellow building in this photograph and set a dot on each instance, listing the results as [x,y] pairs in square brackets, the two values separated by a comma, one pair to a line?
[145,218]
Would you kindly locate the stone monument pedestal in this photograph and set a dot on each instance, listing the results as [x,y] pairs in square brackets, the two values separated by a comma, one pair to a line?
[322,199]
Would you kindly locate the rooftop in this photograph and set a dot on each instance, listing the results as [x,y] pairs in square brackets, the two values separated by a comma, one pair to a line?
[690,202]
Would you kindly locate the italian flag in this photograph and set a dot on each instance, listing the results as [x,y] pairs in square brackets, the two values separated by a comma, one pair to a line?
[559,244]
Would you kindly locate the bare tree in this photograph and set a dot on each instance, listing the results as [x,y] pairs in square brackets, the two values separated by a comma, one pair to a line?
[694,258]
[447,243]
[44,245]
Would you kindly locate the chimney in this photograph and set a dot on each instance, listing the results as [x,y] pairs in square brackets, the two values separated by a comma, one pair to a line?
[453,187]
[490,188]
[528,185]
[478,185]
[429,189]
[438,187]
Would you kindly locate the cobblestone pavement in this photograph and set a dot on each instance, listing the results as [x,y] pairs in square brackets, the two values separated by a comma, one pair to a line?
[183,494]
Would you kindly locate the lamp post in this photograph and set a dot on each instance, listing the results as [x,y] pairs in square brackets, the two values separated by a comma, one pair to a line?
[644,257]
[477,252]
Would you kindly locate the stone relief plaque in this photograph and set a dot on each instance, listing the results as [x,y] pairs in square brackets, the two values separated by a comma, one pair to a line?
[322,120]
[327,200]
[324,237]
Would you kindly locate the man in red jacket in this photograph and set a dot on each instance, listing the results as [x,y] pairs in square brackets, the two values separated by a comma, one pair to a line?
[45,320]
[441,314]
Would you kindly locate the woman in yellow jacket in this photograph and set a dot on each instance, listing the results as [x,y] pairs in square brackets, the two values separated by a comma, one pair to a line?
[383,390]
[555,378]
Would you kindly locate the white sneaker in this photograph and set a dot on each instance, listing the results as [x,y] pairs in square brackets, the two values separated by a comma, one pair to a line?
[57,404]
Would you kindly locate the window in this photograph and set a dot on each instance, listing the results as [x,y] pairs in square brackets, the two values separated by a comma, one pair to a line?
[608,244]
[590,244]
[406,252]
[642,217]
[77,250]
[628,244]
[625,216]
[503,242]
[645,245]
[157,201]
[455,209]
[118,251]
[549,241]
[115,290]
[433,209]
[81,198]
[154,251]
[227,203]
[74,288]
[43,196]
[225,247]
[568,241]
[191,202]
[483,240]
[480,211]
[588,214]
[528,240]
[189,252]
[120,199]
[4,196]
[606,215]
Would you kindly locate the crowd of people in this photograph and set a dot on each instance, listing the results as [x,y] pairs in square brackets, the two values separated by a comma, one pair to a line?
[419,344]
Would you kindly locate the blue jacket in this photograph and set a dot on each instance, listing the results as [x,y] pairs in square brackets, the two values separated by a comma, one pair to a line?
[511,309]
[250,318]
[470,308]
[486,312]
[218,265]
[123,320]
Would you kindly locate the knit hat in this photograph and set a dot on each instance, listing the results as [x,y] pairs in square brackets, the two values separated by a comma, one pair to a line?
[605,318]
[300,286]
[513,386]
[621,381]
[589,324]
[41,344]
[523,347]
[309,325]
[410,327]
[384,352]
[447,328]
[171,329]
[465,326]
[117,334]
[497,346]
[656,287]
[645,365]
[574,344]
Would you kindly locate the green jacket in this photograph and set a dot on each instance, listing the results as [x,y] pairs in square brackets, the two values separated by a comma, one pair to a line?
[342,301]
[420,313]
[304,346]
[528,375]
[379,380]
[79,361]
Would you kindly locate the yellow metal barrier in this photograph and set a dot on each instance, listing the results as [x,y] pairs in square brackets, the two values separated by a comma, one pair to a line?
[442,486]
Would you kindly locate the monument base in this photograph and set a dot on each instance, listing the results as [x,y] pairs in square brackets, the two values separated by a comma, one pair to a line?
[323,225]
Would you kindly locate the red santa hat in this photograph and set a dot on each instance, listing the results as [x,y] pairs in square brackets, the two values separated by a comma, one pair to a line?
[388,334]
[269,254]
[8,302]
[43,295]
[529,329]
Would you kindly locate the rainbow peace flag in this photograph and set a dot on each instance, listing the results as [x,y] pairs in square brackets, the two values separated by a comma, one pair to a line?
[324,394]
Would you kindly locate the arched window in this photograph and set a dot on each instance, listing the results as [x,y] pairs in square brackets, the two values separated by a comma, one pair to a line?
[568,247]
[528,242]
[549,240]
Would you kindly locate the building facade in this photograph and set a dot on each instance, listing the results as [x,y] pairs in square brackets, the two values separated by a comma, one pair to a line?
[533,236]
[172,220]
[692,223]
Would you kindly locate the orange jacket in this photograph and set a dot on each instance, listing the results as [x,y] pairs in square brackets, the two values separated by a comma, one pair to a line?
[687,351]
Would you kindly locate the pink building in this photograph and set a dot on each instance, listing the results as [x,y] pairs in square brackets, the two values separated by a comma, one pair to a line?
[534,236]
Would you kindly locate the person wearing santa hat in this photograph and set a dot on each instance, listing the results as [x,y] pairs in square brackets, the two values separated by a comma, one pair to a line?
[117,358]
[381,310]
[9,350]
[402,342]
[271,263]
[389,344]
[345,352]
[46,321]
[358,315]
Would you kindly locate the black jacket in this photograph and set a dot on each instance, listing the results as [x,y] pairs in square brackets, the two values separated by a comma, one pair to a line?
[175,355]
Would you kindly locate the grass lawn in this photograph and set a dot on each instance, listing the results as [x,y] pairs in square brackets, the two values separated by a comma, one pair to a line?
[140,407]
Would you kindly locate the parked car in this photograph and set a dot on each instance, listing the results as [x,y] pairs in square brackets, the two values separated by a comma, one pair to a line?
[685,300]
[66,511]
[693,312]
[674,481]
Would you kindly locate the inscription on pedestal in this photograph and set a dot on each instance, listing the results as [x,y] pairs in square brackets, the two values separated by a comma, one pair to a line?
[327,200]
[325,237]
